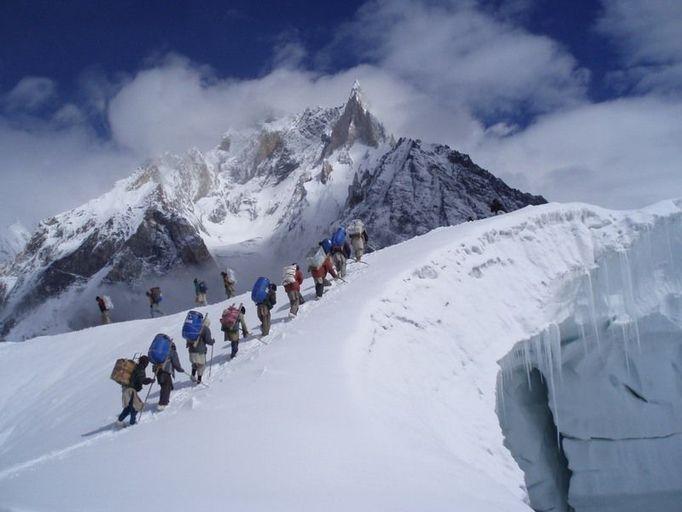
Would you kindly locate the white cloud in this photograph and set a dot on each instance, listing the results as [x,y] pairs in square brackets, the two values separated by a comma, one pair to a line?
[29,94]
[456,51]
[647,35]
[620,154]
[439,71]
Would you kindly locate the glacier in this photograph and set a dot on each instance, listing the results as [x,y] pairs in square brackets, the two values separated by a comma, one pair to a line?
[526,361]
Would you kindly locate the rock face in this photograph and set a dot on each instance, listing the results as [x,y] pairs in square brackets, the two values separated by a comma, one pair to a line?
[262,196]
[417,187]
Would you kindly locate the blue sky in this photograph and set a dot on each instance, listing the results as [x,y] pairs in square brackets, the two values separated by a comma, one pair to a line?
[578,100]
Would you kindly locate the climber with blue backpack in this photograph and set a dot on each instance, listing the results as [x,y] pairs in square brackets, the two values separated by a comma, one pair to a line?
[264,295]
[164,356]
[155,298]
[200,290]
[340,251]
[196,331]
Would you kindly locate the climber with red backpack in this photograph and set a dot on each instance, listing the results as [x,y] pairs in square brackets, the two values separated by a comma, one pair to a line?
[231,320]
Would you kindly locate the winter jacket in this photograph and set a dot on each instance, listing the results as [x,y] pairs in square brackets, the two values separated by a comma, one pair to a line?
[102,305]
[321,271]
[296,285]
[199,346]
[271,299]
[138,378]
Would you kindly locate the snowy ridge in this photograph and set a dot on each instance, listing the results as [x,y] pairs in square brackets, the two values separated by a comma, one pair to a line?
[381,396]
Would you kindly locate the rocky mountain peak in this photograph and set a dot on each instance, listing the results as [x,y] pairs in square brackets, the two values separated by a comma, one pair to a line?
[356,124]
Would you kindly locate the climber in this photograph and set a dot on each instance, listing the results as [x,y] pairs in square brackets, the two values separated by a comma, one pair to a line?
[496,207]
[319,272]
[229,281]
[292,285]
[165,373]
[231,320]
[155,298]
[358,237]
[132,403]
[105,318]
[198,350]
[200,290]
[263,309]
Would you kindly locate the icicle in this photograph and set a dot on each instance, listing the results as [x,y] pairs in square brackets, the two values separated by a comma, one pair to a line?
[583,337]
[500,391]
[550,370]
[626,350]
[593,308]
[527,364]
[629,293]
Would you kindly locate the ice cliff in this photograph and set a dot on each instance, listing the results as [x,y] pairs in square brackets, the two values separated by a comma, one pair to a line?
[591,405]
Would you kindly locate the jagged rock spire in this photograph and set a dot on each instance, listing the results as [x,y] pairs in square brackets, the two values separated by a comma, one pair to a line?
[355,124]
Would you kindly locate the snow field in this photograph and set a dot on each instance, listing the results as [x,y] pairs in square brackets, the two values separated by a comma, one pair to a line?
[380,396]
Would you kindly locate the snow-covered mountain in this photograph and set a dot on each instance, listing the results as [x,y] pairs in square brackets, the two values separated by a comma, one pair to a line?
[555,330]
[261,199]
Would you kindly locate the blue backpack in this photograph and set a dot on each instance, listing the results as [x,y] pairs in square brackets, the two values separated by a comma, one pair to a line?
[202,287]
[192,326]
[339,237]
[260,290]
[160,349]
[326,245]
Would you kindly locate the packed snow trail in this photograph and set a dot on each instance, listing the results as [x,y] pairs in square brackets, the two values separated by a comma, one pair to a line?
[380,396]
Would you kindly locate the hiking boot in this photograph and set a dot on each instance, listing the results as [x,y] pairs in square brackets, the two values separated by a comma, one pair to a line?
[161,407]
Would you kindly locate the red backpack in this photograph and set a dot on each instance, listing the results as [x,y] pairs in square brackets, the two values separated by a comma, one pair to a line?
[230,318]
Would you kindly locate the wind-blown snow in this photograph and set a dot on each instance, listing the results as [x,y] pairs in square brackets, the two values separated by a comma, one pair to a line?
[381,396]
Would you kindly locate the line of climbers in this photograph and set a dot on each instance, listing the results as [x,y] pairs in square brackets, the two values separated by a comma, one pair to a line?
[330,257]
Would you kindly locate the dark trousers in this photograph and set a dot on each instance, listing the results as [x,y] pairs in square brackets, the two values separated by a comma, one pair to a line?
[166,383]
[128,409]
[235,346]
[319,288]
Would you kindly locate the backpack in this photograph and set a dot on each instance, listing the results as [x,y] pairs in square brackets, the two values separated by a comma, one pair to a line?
[107,302]
[326,244]
[317,259]
[231,277]
[156,294]
[339,237]
[160,349]
[191,329]
[123,371]
[202,287]
[288,275]
[230,318]
[355,227]
[259,292]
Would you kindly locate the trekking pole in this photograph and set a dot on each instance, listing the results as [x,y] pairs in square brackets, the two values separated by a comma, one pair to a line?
[145,399]
[209,363]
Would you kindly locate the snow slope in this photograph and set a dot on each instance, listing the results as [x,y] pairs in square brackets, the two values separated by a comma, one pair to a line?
[381,396]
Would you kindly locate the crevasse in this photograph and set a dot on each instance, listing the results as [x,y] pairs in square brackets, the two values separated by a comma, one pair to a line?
[591,406]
